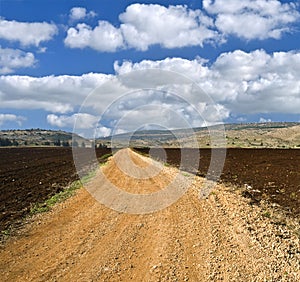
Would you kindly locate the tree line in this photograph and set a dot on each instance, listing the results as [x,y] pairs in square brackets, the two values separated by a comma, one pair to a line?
[4,142]
[7,142]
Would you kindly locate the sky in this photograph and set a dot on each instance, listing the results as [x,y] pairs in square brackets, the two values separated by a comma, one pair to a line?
[116,66]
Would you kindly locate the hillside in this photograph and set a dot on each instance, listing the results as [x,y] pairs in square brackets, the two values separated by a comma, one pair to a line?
[37,137]
[252,135]
[270,135]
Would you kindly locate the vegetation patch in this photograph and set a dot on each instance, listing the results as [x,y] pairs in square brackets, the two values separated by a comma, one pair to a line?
[61,196]
[105,157]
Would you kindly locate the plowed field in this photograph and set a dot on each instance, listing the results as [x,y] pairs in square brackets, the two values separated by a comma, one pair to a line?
[220,238]
[273,174]
[31,175]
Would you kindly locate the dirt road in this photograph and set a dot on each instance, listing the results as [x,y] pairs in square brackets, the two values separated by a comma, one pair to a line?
[221,238]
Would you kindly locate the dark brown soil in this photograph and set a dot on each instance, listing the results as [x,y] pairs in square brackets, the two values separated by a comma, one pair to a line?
[221,238]
[31,175]
[272,173]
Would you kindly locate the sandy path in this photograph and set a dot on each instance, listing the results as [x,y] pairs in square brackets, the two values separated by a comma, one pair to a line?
[221,238]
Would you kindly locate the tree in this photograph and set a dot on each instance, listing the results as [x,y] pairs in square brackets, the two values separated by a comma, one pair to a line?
[83,144]
[57,143]
[102,146]
[15,142]
[5,142]
[65,144]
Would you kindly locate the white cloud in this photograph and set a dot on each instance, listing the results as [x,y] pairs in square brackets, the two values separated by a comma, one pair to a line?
[257,82]
[176,26]
[58,94]
[241,119]
[77,13]
[238,82]
[104,37]
[253,19]
[27,33]
[145,25]
[195,69]
[11,59]
[11,118]
[244,83]
[42,50]
[263,120]
[102,132]
[82,120]
[80,13]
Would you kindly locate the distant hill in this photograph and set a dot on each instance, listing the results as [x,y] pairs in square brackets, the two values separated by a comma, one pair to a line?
[37,137]
[270,135]
[250,135]
[257,135]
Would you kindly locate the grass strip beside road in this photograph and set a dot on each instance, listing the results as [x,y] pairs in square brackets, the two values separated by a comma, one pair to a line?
[68,192]
[61,196]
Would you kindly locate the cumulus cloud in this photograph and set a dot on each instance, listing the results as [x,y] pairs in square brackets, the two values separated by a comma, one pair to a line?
[176,26]
[11,59]
[104,37]
[82,120]
[80,13]
[102,131]
[260,82]
[195,69]
[11,118]
[145,25]
[244,83]
[57,94]
[27,33]
[253,19]
[263,120]
[237,84]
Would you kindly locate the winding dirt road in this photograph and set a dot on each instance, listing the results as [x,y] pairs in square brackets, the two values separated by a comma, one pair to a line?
[221,238]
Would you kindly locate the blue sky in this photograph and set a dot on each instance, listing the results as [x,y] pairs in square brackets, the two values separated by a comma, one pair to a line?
[54,53]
